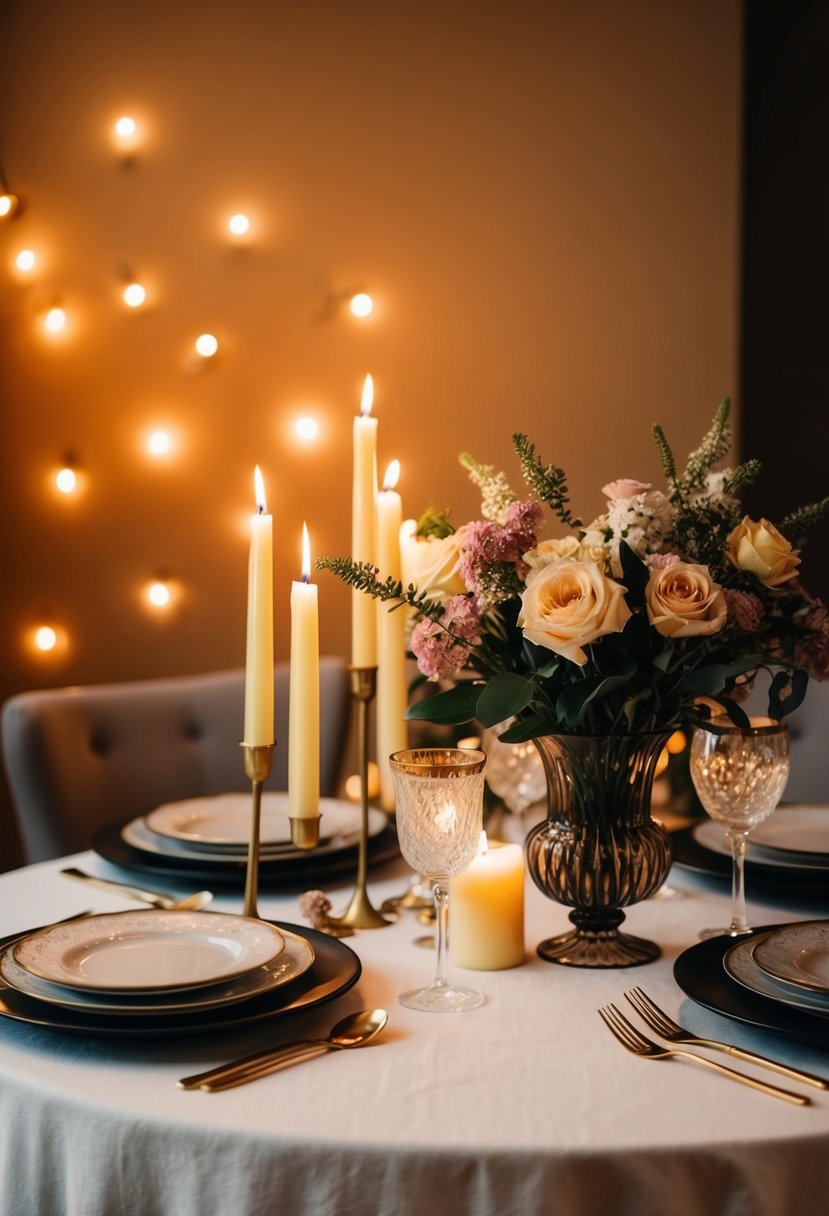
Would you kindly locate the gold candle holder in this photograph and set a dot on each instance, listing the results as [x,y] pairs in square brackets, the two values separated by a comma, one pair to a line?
[258,760]
[360,914]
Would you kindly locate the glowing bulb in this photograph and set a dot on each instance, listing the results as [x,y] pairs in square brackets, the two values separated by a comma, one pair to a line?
[353,785]
[55,320]
[25,260]
[239,224]
[66,480]
[306,428]
[361,305]
[8,205]
[126,128]
[392,475]
[367,399]
[159,443]
[134,295]
[46,638]
[158,594]
[207,345]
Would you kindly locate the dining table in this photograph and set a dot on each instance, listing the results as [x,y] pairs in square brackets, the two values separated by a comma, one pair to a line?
[527,1105]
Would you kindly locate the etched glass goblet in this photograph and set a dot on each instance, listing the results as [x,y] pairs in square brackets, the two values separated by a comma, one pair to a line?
[739,775]
[439,794]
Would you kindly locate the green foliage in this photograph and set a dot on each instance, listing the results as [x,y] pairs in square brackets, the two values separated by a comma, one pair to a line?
[547,482]
[797,523]
[434,523]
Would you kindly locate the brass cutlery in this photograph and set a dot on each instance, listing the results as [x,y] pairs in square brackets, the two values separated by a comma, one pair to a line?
[355,1030]
[666,1028]
[639,1045]
[157,899]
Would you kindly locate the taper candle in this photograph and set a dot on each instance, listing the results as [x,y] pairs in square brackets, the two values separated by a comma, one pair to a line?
[364,495]
[259,692]
[486,909]
[392,731]
[304,697]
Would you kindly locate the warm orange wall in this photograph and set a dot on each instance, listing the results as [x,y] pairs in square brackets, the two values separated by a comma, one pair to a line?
[541,196]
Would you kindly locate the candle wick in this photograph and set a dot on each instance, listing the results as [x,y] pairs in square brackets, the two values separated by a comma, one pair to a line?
[306,578]
[261,509]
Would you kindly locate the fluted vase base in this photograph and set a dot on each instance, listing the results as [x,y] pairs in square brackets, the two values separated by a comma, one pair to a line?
[597,946]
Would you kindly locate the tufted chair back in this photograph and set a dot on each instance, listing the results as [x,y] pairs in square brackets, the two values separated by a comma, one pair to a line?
[79,759]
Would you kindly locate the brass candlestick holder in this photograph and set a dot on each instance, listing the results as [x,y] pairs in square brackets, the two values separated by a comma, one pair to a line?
[360,914]
[258,759]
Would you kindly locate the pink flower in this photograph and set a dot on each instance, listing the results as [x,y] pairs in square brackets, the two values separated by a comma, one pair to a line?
[661,561]
[625,487]
[485,543]
[745,609]
[442,649]
[812,652]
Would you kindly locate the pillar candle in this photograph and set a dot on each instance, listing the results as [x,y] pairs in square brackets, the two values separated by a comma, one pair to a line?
[364,495]
[304,697]
[392,731]
[259,694]
[486,909]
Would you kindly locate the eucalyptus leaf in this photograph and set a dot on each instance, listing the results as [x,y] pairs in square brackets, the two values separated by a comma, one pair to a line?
[504,696]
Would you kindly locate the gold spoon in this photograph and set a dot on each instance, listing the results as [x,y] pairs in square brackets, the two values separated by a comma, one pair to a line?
[158,899]
[352,1031]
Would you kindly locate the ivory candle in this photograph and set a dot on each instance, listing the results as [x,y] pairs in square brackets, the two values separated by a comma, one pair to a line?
[304,696]
[486,909]
[363,506]
[392,732]
[259,694]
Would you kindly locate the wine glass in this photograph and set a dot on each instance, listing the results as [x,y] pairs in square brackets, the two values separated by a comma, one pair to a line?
[739,775]
[439,797]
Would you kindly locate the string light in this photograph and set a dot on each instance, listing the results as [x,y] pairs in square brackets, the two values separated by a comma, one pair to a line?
[55,320]
[361,305]
[26,260]
[134,295]
[159,594]
[207,345]
[126,127]
[239,225]
[8,205]
[159,443]
[306,428]
[66,480]
[45,638]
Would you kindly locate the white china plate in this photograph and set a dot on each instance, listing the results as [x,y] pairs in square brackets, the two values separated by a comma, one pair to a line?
[795,831]
[223,821]
[712,837]
[740,965]
[797,955]
[148,950]
[137,835]
[292,962]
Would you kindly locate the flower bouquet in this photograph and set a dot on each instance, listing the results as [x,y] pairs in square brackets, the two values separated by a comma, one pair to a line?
[599,641]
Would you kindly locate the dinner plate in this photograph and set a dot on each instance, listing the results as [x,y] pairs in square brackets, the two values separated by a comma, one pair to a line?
[797,830]
[336,968]
[222,822]
[740,965]
[148,950]
[798,955]
[700,973]
[295,871]
[802,882]
[712,836]
[292,962]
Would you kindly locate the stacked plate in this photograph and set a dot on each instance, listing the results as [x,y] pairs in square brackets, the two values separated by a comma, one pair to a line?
[789,852]
[789,964]
[207,838]
[146,971]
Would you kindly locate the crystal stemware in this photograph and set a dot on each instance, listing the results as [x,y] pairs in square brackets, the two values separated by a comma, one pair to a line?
[439,810]
[739,775]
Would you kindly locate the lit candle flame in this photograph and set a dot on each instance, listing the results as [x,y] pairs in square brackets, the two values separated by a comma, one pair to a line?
[368,397]
[392,474]
[259,490]
[306,555]
[483,847]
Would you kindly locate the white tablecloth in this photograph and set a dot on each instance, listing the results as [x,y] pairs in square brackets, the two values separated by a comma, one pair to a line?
[525,1106]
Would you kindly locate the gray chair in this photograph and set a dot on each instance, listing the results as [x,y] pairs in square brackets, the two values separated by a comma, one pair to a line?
[809,733]
[79,759]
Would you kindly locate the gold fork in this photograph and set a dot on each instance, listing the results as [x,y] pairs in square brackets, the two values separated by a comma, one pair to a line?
[636,1043]
[666,1028]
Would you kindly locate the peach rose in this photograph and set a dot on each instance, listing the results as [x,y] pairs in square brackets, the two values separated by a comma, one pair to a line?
[683,601]
[760,549]
[431,563]
[568,604]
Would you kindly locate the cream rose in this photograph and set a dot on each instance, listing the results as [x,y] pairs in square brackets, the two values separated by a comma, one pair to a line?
[568,604]
[431,563]
[760,549]
[683,601]
[548,551]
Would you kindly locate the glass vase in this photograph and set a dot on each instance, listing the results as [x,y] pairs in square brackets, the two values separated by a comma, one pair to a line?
[598,850]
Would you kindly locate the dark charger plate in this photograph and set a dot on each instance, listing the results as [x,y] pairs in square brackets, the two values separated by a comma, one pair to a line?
[335,969]
[296,870]
[807,882]
[700,973]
